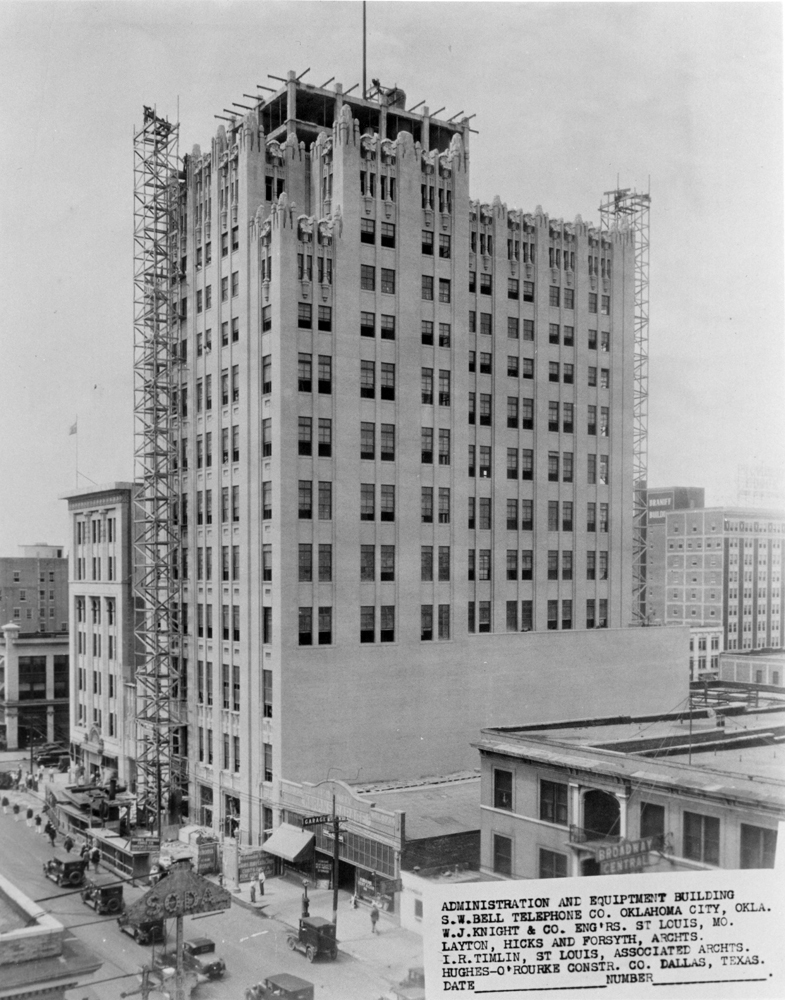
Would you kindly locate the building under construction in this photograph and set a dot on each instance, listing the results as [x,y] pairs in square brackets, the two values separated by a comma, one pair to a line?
[385,456]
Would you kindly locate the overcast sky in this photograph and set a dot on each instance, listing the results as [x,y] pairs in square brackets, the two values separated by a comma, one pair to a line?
[684,97]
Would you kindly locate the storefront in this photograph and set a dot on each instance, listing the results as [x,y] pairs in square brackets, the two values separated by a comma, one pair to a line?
[292,847]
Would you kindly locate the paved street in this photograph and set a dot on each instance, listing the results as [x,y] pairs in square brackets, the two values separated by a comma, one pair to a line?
[252,944]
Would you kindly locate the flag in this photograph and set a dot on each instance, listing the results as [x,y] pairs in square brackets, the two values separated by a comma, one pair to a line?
[72,429]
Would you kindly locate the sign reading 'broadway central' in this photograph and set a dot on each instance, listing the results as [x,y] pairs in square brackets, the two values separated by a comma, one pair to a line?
[627,856]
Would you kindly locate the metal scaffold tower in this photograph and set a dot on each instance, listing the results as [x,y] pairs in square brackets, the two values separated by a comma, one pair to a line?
[156,587]
[627,208]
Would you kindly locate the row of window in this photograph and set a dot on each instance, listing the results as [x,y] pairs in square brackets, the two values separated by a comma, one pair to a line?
[229,763]
[22,594]
[480,616]
[96,647]
[230,685]
[92,530]
[80,606]
[230,622]
[96,564]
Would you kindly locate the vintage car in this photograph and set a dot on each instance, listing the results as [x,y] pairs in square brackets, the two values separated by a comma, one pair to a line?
[315,937]
[104,893]
[142,931]
[282,985]
[66,870]
[198,955]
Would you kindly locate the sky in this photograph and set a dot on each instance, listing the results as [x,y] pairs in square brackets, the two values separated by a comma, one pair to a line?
[681,100]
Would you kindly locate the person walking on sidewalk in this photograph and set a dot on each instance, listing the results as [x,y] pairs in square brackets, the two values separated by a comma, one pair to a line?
[374,918]
[95,857]
[50,831]
[261,881]
[68,844]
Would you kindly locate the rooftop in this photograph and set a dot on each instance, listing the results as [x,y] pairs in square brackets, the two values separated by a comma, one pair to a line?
[435,807]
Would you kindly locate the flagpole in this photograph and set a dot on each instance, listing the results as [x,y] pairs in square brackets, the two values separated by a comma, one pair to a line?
[76,461]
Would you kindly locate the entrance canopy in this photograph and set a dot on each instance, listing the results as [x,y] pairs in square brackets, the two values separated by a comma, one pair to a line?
[289,842]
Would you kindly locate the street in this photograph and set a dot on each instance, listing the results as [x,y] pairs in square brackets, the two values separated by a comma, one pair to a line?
[252,946]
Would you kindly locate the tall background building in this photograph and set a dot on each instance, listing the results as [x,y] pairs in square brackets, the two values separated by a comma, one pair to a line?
[404,452]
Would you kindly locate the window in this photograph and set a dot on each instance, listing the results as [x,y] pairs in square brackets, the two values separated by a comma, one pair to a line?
[305,563]
[444,446]
[388,281]
[444,505]
[387,442]
[387,381]
[486,324]
[591,566]
[387,623]
[527,564]
[485,461]
[444,621]
[758,846]
[553,333]
[701,838]
[367,504]
[592,303]
[527,464]
[484,617]
[528,368]
[305,499]
[367,563]
[553,515]
[367,277]
[552,864]
[305,626]
[426,563]
[367,440]
[553,371]
[569,374]
[569,298]
[267,374]
[485,364]
[426,504]
[426,332]
[367,324]
[471,573]
[325,318]
[367,231]
[652,820]
[325,501]
[502,855]
[567,417]
[444,246]
[553,466]
[427,287]
[567,465]
[512,463]
[472,460]
[486,284]
[604,477]
[325,562]
[512,411]
[325,442]
[367,380]
[566,565]
[387,564]
[605,305]
[604,421]
[444,387]
[304,433]
[235,283]
[304,381]
[553,416]
[512,288]
[553,802]
[605,378]
[591,469]
[603,565]
[427,242]
[502,789]
[512,567]
[485,409]
[388,234]
[387,331]
[484,565]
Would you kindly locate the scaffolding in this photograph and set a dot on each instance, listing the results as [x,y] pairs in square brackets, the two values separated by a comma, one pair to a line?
[155,572]
[627,208]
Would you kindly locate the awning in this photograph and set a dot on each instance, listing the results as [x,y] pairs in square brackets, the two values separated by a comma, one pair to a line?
[289,842]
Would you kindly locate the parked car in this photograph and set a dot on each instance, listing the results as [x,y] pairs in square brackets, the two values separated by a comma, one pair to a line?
[103,893]
[198,955]
[315,937]
[66,870]
[281,985]
[142,931]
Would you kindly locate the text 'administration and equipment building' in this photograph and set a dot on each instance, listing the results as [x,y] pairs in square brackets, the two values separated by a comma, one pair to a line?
[404,457]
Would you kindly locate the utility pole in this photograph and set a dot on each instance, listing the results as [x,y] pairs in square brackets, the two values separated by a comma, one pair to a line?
[336,862]
[179,983]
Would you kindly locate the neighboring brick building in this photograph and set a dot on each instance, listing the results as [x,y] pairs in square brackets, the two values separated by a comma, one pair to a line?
[403,427]
[753,667]
[102,676]
[697,790]
[34,589]
[720,566]
[34,694]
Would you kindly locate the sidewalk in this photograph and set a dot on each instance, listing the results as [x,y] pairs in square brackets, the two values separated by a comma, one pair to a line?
[391,952]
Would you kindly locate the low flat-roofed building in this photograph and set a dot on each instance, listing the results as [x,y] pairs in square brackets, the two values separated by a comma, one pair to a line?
[432,824]
[692,790]
[38,955]
[765,666]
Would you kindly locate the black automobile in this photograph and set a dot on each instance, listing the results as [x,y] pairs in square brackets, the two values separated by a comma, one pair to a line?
[198,955]
[142,931]
[50,755]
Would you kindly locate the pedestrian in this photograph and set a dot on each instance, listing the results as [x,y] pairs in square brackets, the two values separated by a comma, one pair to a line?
[16,812]
[51,775]
[50,832]
[261,880]
[374,918]
[5,805]
[95,857]
[221,879]
[354,901]
[85,850]
[68,844]
[253,892]
[40,772]
[38,823]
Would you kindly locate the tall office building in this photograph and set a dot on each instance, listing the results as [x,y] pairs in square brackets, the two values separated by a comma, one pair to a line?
[718,566]
[404,439]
